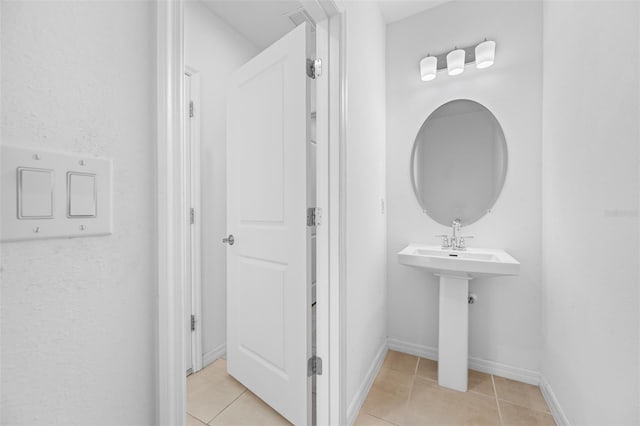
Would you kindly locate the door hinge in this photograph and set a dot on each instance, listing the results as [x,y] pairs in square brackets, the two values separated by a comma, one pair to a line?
[314,216]
[190,109]
[193,323]
[314,366]
[192,216]
[314,68]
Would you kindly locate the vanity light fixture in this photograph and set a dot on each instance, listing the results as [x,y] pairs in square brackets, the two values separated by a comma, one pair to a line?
[483,54]
[428,68]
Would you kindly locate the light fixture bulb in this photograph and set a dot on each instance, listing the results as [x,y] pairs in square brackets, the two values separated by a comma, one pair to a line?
[455,62]
[428,68]
[485,54]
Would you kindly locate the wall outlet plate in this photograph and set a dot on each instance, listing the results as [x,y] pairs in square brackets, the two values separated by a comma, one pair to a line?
[22,193]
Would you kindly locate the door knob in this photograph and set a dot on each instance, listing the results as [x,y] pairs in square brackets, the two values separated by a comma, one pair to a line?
[229,240]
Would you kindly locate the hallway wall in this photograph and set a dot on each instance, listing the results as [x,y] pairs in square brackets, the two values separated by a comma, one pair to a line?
[78,321]
[591,196]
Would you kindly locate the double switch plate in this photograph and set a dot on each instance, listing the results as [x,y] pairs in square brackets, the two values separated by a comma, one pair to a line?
[54,195]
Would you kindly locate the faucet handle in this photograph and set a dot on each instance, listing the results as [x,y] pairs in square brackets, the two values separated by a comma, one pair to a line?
[445,240]
[461,240]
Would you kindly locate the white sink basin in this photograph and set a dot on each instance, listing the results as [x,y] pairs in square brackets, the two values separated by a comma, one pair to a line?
[456,268]
[470,263]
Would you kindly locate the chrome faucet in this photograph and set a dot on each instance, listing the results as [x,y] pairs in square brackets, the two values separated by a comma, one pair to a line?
[456,241]
[455,229]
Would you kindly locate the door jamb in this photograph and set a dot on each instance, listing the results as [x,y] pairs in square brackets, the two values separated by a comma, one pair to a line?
[170,265]
[171,381]
[195,228]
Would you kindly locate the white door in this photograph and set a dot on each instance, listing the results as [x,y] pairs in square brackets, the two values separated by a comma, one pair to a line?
[268,273]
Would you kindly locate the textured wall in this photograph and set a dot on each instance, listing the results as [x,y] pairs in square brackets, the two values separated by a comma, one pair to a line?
[78,315]
[504,324]
[591,195]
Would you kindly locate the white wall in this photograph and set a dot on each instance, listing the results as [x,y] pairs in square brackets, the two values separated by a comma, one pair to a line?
[504,324]
[78,315]
[590,209]
[365,186]
[216,50]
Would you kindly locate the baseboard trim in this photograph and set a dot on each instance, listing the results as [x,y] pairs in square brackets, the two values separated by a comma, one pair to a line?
[361,395]
[211,356]
[490,367]
[553,403]
[413,349]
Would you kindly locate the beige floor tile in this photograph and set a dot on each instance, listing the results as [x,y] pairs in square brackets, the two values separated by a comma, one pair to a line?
[431,404]
[208,400]
[192,421]
[477,382]
[215,374]
[210,390]
[369,420]
[385,405]
[522,394]
[394,382]
[513,415]
[401,362]
[218,368]
[195,382]
[249,410]
[427,369]
[480,382]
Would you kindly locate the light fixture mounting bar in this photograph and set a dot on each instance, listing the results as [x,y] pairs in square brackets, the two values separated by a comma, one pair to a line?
[469,56]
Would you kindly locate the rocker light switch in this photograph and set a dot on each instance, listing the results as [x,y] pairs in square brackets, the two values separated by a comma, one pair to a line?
[35,193]
[82,194]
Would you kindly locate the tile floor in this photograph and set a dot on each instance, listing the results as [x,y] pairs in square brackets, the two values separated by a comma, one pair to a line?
[215,398]
[406,392]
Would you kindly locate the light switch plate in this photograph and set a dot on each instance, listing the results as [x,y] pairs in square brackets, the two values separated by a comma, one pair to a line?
[80,191]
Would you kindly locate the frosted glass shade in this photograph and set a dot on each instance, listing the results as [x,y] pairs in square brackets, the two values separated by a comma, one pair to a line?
[455,62]
[485,54]
[428,68]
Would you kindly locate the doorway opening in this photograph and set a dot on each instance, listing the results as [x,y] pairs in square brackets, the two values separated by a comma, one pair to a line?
[257,348]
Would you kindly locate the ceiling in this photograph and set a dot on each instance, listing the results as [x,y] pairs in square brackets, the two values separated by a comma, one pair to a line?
[395,10]
[261,22]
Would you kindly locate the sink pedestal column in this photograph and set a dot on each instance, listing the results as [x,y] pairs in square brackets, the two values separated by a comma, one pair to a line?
[453,336]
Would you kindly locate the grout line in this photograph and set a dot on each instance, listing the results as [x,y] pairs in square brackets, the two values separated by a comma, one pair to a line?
[380,418]
[227,406]
[196,419]
[413,381]
[495,392]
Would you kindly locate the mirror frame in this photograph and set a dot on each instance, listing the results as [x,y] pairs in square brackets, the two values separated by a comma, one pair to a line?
[493,202]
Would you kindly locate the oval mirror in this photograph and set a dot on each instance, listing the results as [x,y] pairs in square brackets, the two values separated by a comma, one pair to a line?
[459,162]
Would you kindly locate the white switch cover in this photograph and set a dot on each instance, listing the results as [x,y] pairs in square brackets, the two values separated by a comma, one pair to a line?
[35,193]
[81,194]
[53,195]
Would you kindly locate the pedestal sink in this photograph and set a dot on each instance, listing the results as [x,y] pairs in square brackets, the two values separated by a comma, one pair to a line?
[455,268]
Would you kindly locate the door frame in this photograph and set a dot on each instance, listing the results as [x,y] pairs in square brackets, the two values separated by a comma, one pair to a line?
[171,238]
[191,174]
